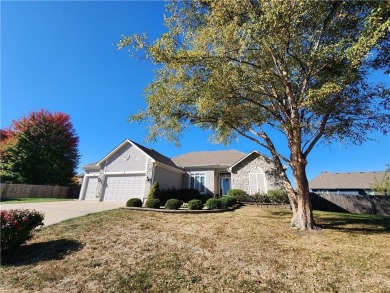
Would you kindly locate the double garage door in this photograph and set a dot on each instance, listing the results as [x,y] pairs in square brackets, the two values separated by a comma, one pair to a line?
[117,187]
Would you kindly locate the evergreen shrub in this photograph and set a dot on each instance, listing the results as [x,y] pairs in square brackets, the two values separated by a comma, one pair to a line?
[134,202]
[213,204]
[153,203]
[195,204]
[173,204]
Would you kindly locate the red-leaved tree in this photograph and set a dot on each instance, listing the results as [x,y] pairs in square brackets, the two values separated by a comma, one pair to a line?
[41,148]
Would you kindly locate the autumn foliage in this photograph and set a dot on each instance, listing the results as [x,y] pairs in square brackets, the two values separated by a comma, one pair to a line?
[40,148]
[17,227]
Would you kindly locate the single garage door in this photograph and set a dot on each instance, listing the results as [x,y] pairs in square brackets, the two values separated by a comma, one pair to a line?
[90,189]
[124,187]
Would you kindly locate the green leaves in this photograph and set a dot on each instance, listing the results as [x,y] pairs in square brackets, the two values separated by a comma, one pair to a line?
[40,149]
[298,66]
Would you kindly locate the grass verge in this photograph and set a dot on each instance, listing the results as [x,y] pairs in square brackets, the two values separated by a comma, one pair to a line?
[31,200]
[250,250]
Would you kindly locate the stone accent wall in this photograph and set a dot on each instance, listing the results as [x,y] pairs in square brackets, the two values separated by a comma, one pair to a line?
[149,174]
[100,185]
[240,173]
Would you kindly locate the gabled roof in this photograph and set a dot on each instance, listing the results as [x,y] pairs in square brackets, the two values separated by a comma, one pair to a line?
[350,180]
[154,155]
[223,158]
[242,159]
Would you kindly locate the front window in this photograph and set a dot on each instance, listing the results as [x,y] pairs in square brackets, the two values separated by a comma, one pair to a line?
[197,182]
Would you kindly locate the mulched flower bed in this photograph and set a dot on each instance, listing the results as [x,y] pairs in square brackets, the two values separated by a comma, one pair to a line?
[184,210]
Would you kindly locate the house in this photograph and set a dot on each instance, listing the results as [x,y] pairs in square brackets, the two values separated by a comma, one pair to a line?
[353,183]
[130,169]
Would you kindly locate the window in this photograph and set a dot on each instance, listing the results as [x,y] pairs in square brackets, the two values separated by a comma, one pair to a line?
[197,181]
[257,181]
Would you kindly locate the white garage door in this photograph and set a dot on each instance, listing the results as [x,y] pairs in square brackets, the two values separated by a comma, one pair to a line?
[124,187]
[90,189]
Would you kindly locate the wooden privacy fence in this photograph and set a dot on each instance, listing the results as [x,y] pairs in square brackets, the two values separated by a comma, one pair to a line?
[9,191]
[356,204]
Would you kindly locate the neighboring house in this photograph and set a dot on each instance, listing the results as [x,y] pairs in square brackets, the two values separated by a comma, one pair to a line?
[130,170]
[354,183]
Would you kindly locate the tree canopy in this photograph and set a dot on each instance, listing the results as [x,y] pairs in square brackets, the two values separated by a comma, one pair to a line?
[250,68]
[39,149]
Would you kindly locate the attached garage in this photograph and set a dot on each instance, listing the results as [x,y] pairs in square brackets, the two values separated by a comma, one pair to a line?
[124,187]
[128,172]
[91,184]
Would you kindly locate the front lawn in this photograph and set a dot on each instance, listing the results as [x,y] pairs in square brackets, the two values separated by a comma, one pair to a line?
[249,250]
[30,200]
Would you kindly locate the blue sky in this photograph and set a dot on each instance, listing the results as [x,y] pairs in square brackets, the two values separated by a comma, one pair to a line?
[61,56]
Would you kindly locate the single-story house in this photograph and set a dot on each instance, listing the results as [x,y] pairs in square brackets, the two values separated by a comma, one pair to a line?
[353,183]
[130,169]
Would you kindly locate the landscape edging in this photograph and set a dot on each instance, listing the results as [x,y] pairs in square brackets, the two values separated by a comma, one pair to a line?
[184,211]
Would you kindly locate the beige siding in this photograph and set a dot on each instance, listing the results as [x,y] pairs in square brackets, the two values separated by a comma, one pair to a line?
[126,159]
[210,181]
[167,178]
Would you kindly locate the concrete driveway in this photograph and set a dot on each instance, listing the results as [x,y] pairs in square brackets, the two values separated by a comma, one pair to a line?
[58,211]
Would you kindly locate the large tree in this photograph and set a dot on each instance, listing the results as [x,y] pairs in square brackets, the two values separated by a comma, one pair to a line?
[39,149]
[253,68]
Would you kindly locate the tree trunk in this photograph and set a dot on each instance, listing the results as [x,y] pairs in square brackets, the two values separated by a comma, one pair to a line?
[303,218]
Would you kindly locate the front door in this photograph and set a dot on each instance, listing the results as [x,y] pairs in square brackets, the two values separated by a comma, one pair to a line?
[224,184]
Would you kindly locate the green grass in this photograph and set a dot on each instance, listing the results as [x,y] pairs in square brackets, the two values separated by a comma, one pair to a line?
[252,249]
[31,200]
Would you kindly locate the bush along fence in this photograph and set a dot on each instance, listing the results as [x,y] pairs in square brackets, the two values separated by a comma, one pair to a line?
[10,191]
[356,204]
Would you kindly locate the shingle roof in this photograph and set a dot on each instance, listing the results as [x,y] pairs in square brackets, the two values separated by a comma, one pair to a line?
[156,155]
[209,158]
[350,180]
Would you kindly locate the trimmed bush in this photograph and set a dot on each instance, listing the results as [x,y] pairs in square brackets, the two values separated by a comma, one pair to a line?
[154,191]
[153,203]
[224,202]
[231,200]
[173,204]
[278,196]
[261,198]
[17,227]
[134,202]
[213,204]
[239,194]
[195,204]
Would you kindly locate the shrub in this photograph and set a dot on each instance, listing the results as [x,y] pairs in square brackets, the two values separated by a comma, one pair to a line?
[231,200]
[213,204]
[17,227]
[173,204]
[278,196]
[153,203]
[134,202]
[224,202]
[184,194]
[261,198]
[195,204]
[239,194]
[154,191]
[205,197]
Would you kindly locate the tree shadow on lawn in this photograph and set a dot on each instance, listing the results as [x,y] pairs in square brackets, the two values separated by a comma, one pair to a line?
[346,222]
[356,223]
[38,252]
